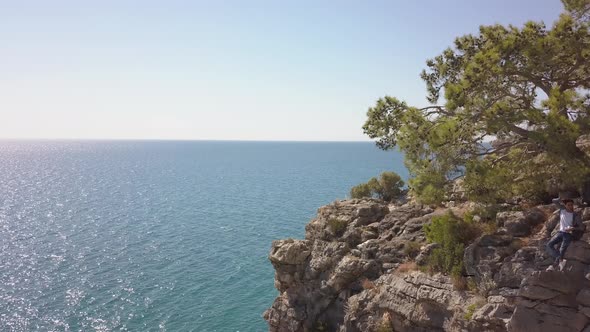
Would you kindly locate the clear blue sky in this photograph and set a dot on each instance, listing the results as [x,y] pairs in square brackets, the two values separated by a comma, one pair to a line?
[235,70]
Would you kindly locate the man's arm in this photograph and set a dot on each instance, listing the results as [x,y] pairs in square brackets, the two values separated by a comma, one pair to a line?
[557,203]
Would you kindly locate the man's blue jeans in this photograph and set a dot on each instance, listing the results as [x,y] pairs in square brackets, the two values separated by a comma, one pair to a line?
[565,239]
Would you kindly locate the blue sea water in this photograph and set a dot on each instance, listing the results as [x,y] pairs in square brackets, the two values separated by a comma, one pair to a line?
[158,235]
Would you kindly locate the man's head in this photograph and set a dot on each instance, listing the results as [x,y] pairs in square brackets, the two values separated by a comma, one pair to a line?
[569,204]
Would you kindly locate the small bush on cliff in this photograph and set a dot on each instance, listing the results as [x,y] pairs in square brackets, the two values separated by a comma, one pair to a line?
[407,267]
[452,234]
[337,226]
[388,187]
[470,310]
[361,191]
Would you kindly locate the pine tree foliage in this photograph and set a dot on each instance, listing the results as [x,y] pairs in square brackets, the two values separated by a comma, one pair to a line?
[526,89]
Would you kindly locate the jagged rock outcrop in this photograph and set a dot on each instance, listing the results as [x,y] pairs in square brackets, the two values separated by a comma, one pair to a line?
[414,302]
[358,270]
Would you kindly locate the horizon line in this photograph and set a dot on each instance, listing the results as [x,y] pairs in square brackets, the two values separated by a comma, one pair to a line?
[179,140]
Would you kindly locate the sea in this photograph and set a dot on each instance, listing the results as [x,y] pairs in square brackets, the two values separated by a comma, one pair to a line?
[159,235]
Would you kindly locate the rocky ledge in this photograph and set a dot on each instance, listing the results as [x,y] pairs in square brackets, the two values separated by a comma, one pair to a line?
[358,269]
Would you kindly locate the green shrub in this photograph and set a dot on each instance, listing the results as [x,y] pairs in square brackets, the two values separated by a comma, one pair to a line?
[361,191]
[452,234]
[428,188]
[388,187]
[470,310]
[472,285]
[337,226]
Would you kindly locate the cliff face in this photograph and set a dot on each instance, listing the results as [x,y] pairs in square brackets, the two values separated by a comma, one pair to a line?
[351,273]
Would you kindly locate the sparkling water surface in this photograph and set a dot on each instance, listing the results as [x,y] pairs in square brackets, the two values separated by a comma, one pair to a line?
[158,236]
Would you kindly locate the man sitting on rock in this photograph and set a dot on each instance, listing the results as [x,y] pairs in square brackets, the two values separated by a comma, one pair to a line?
[569,221]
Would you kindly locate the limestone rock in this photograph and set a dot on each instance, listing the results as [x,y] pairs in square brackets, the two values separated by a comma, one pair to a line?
[341,219]
[550,303]
[494,316]
[553,319]
[354,272]
[483,258]
[519,223]
[415,301]
[289,252]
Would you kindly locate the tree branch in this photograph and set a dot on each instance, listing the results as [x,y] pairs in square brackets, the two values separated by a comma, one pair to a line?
[519,131]
[537,81]
[437,110]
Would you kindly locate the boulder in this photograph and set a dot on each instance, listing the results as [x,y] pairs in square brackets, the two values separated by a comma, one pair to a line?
[579,251]
[519,223]
[289,252]
[546,319]
[324,257]
[550,302]
[515,268]
[349,269]
[289,259]
[494,315]
[341,220]
[483,258]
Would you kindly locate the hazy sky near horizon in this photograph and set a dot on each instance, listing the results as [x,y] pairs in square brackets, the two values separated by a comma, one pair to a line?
[230,70]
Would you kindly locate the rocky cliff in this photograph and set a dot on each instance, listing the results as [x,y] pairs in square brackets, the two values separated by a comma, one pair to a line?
[358,269]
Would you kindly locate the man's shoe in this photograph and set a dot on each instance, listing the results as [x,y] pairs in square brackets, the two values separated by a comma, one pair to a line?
[550,268]
[562,264]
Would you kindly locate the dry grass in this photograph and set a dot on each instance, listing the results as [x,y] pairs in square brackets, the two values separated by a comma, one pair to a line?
[459,283]
[538,228]
[488,228]
[525,241]
[483,288]
[385,324]
[412,249]
[407,267]
[351,307]
[367,284]
[337,226]
[518,243]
